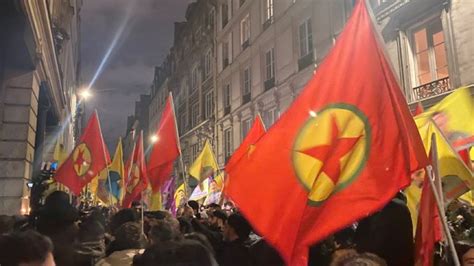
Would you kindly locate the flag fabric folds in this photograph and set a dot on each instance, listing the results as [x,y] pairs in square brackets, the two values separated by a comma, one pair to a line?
[166,149]
[450,116]
[111,182]
[455,175]
[428,229]
[87,159]
[341,151]
[180,195]
[205,164]
[255,133]
[137,180]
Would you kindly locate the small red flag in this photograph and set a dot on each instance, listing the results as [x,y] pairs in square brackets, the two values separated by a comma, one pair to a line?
[341,151]
[166,149]
[428,229]
[137,180]
[87,159]
[255,133]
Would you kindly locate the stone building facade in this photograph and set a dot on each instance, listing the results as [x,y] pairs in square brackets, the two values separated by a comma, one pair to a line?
[430,44]
[189,73]
[39,58]
[266,51]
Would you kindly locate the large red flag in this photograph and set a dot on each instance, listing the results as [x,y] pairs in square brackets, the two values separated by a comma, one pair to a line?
[255,133]
[341,151]
[166,149]
[137,180]
[87,159]
[428,229]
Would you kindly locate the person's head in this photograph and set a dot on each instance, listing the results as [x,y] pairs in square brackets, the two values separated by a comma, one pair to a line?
[218,219]
[162,231]
[213,207]
[25,249]
[91,229]
[194,205]
[129,236]
[121,217]
[184,252]
[213,187]
[348,257]
[465,252]
[185,226]
[236,227]
[202,239]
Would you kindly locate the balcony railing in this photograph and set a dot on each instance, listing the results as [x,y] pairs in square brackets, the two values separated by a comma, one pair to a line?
[431,89]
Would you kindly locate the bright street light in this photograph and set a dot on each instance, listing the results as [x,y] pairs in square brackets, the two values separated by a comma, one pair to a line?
[154,138]
[85,94]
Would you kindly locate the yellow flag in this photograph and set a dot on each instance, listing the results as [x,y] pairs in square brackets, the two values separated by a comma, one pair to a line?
[205,164]
[179,195]
[155,201]
[456,177]
[454,115]
[108,189]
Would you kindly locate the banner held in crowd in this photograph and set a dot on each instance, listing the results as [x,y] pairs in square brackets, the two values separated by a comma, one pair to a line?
[341,151]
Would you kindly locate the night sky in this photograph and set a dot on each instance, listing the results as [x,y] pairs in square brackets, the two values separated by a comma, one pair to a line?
[144,43]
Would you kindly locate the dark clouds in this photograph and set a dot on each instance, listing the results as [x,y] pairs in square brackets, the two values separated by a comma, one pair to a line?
[144,43]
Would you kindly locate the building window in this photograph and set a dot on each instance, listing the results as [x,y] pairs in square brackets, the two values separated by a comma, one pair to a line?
[210,19]
[245,31]
[194,79]
[227,143]
[226,99]
[429,52]
[195,114]
[270,116]
[207,63]
[246,82]
[246,124]
[182,123]
[209,105]
[269,64]
[268,10]
[306,38]
[225,54]
[225,13]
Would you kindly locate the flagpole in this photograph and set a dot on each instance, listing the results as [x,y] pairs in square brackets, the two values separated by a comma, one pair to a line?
[106,167]
[142,215]
[181,162]
[433,173]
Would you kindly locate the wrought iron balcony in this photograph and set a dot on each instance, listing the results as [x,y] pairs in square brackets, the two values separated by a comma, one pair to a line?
[432,89]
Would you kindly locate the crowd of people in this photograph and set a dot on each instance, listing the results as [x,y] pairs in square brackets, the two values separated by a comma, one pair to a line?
[60,234]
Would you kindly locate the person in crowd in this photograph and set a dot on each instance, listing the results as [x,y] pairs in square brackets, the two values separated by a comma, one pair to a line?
[195,206]
[213,207]
[90,245]
[349,257]
[129,241]
[229,207]
[217,220]
[163,231]
[388,233]
[202,239]
[262,254]
[121,217]
[184,252]
[57,220]
[465,251]
[234,251]
[26,248]
[185,226]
